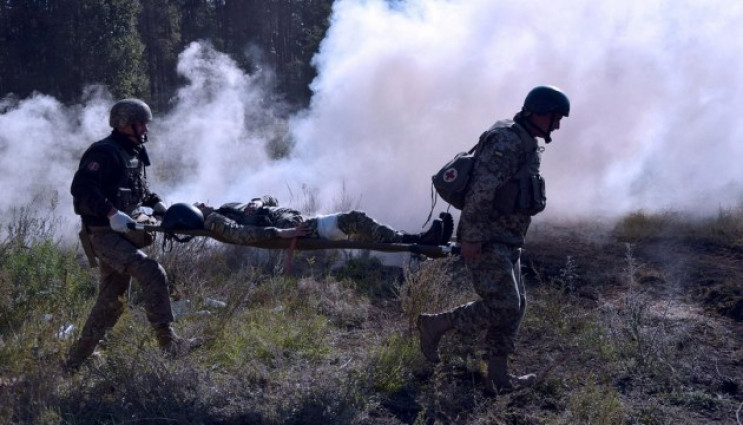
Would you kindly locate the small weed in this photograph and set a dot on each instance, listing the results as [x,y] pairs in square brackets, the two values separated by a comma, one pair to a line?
[367,274]
[391,363]
[595,404]
[696,400]
[271,334]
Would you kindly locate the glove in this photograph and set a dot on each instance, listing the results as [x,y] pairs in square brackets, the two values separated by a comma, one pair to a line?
[160,208]
[119,222]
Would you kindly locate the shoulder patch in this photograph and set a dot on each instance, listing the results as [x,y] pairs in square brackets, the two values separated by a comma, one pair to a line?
[93,166]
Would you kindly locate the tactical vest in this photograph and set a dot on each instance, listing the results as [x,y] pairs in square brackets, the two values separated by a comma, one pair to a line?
[525,193]
[131,190]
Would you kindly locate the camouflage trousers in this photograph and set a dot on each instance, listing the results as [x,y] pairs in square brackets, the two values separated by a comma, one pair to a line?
[119,262]
[360,227]
[229,231]
[496,277]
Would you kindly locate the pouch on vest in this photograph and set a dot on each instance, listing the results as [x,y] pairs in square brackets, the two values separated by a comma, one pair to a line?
[525,193]
[532,195]
[125,200]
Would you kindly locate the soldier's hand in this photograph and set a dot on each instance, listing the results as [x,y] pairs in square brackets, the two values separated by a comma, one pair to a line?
[294,232]
[471,250]
[119,222]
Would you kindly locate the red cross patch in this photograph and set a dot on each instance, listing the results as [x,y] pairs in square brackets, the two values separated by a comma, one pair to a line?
[450,175]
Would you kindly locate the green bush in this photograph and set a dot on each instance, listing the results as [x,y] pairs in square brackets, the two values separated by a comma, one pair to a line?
[392,363]
[39,278]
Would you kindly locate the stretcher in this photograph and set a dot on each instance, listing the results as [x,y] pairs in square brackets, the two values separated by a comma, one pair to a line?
[303,244]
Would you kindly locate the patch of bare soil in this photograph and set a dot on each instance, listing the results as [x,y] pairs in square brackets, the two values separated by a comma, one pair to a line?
[696,272]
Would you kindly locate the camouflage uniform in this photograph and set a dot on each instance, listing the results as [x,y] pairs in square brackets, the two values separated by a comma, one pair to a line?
[119,262]
[111,175]
[496,273]
[235,225]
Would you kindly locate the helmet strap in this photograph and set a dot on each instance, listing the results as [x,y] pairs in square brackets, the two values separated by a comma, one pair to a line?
[548,136]
[170,237]
[526,122]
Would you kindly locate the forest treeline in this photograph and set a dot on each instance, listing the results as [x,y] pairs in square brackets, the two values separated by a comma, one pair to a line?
[58,47]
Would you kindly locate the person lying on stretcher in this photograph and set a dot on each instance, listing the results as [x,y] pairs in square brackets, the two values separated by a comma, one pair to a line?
[262,219]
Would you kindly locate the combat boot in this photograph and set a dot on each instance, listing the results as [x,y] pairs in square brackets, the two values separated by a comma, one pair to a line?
[499,381]
[79,352]
[172,345]
[431,328]
[432,236]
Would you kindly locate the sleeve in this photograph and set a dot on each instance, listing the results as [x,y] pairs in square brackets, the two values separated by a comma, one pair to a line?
[96,169]
[496,165]
[230,231]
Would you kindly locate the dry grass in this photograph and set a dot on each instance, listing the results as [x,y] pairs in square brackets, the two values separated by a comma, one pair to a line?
[637,325]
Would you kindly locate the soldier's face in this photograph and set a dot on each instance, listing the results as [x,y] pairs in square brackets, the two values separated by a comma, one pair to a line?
[556,121]
[142,127]
[137,132]
[547,122]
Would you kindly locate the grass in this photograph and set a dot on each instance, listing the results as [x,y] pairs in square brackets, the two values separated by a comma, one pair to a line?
[624,327]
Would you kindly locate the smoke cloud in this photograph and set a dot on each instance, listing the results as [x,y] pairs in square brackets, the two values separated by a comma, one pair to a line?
[402,86]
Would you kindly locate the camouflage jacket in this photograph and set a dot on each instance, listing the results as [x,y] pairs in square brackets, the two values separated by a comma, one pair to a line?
[111,174]
[282,218]
[233,223]
[507,147]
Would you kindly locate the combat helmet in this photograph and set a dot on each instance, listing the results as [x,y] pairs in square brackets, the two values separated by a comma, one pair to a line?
[546,99]
[182,216]
[128,112]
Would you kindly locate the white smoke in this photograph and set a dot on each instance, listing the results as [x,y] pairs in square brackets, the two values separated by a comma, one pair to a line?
[653,87]
[402,86]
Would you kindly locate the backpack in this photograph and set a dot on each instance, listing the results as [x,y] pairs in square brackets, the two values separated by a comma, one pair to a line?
[524,194]
[451,181]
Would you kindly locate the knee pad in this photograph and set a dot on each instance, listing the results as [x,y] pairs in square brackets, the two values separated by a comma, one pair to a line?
[327,228]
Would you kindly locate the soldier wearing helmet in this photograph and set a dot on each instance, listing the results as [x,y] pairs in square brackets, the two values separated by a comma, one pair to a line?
[543,109]
[505,191]
[131,116]
[108,189]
